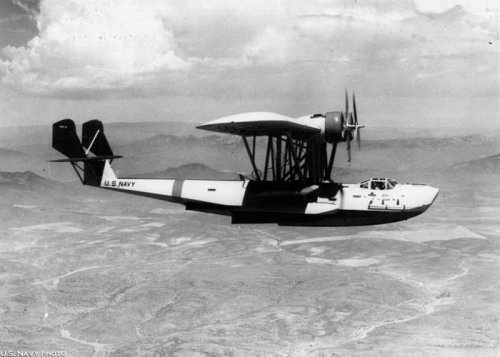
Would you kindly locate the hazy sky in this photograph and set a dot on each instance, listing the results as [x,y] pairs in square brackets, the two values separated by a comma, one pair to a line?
[414,63]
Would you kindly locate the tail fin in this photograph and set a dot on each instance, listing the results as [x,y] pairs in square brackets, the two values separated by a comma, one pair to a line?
[65,140]
[94,140]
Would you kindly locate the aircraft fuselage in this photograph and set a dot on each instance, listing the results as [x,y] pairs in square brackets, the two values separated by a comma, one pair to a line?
[248,201]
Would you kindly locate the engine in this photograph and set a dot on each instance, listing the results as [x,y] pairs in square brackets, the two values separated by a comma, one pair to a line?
[334,127]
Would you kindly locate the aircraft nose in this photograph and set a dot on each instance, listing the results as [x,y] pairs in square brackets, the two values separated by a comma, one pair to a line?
[431,194]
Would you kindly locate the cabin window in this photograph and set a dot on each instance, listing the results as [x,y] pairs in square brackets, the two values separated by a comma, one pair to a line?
[377,185]
[364,184]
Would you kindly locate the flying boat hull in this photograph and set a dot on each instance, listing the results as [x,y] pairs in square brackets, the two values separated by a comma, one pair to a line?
[247,201]
[292,185]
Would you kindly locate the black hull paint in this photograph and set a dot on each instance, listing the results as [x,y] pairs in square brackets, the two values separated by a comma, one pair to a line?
[337,219]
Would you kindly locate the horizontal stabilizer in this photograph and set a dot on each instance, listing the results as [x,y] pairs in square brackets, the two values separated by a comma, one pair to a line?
[93,158]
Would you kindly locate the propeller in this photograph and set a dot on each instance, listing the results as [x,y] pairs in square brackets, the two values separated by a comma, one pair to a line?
[351,128]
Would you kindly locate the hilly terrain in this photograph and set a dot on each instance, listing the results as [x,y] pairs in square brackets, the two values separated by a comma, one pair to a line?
[156,146]
[98,273]
[484,165]
[194,171]
[92,272]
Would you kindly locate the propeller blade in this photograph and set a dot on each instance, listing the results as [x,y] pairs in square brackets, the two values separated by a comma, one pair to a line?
[357,126]
[358,137]
[349,138]
[346,105]
[354,108]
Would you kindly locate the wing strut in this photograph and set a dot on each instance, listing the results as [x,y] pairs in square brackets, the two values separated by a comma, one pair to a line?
[78,169]
[278,158]
[251,155]
[330,163]
[268,151]
[294,156]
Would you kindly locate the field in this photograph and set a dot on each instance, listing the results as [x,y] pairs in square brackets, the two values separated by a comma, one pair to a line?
[97,273]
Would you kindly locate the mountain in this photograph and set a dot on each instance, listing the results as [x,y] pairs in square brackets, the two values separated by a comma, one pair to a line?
[422,153]
[14,160]
[25,180]
[123,132]
[16,155]
[227,153]
[432,142]
[28,188]
[195,171]
[228,142]
[12,137]
[222,153]
[151,145]
[485,165]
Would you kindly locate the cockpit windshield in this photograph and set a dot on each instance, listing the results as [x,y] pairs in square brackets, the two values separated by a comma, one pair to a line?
[391,183]
[379,184]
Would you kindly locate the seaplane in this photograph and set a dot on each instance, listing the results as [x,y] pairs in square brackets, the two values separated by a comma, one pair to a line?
[291,181]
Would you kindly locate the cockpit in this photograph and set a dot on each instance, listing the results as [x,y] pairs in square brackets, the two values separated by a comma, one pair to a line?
[379,184]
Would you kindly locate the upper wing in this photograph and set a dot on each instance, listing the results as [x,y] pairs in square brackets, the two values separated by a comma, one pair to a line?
[260,123]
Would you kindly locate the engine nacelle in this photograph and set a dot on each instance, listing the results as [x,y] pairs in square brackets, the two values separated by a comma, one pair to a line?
[334,125]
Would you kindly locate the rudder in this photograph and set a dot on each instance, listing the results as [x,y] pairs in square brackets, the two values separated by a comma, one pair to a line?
[94,140]
[65,140]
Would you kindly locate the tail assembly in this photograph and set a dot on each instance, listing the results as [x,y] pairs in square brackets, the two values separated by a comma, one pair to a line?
[65,140]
